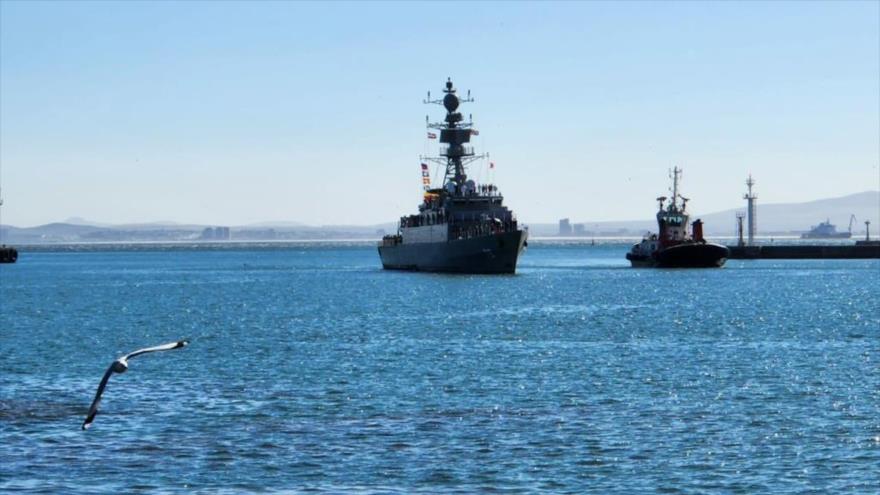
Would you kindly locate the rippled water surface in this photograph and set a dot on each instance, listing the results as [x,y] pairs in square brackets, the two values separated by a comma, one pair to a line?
[312,369]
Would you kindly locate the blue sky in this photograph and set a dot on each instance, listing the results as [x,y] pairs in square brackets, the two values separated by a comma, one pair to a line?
[231,113]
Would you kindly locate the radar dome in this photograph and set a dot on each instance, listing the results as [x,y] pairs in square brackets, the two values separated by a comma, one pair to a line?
[450,101]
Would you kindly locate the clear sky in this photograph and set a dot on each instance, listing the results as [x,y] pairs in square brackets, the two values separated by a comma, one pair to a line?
[232,113]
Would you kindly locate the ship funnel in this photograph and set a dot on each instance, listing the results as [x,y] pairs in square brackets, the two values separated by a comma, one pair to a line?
[698,230]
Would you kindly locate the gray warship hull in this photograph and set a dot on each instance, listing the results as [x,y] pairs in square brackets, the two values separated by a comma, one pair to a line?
[488,254]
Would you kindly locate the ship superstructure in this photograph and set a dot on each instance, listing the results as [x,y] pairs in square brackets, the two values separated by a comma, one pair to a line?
[461,226]
[673,246]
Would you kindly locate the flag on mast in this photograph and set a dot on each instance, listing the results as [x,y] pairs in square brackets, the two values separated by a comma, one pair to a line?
[475,132]
[432,135]
[491,164]
[426,178]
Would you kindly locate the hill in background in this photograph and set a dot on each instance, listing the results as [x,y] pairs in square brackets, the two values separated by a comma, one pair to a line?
[773,219]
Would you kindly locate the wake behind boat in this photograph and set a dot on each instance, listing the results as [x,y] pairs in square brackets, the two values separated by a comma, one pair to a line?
[462,227]
[673,246]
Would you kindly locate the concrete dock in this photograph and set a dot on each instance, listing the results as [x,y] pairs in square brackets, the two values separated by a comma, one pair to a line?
[805,251]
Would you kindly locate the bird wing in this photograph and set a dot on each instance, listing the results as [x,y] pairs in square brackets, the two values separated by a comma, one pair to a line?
[93,410]
[163,347]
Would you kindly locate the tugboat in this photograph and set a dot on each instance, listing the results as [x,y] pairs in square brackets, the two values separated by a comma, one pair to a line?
[673,247]
[461,227]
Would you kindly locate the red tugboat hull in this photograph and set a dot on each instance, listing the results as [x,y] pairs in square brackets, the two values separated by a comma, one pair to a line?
[696,255]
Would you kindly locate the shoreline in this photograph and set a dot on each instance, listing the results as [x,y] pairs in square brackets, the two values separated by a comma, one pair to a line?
[361,242]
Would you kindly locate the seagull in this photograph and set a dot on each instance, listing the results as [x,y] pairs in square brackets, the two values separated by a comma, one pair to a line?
[121,366]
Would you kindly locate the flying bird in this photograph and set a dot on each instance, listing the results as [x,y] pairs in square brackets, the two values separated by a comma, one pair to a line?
[121,366]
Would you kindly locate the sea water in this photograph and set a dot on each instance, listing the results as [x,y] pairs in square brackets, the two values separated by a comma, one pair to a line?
[312,369]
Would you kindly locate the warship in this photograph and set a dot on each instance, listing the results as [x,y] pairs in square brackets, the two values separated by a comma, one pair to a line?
[826,230]
[673,246]
[461,227]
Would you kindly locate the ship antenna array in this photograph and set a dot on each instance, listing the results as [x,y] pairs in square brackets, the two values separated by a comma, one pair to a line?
[439,101]
[465,160]
[428,100]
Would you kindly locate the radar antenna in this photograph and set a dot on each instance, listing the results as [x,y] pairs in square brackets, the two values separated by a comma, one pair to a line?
[455,134]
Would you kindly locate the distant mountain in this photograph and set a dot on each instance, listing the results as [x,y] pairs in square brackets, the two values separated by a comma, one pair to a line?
[800,217]
[773,219]
[275,224]
[84,222]
[169,232]
[57,229]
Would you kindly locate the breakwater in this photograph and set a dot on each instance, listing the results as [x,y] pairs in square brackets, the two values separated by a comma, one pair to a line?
[805,251]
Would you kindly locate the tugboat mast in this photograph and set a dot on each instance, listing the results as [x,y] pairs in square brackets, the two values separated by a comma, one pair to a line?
[676,173]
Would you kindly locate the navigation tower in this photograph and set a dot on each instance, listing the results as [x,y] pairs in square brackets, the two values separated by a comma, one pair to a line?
[750,198]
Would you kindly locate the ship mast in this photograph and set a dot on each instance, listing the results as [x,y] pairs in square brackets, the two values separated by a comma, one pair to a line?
[676,174]
[455,134]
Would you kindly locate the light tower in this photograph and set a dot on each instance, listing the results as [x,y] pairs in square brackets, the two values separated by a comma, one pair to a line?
[750,197]
[867,230]
[739,228]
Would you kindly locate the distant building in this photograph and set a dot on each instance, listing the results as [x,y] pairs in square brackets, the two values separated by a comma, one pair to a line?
[579,229]
[215,234]
[564,227]
[221,233]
